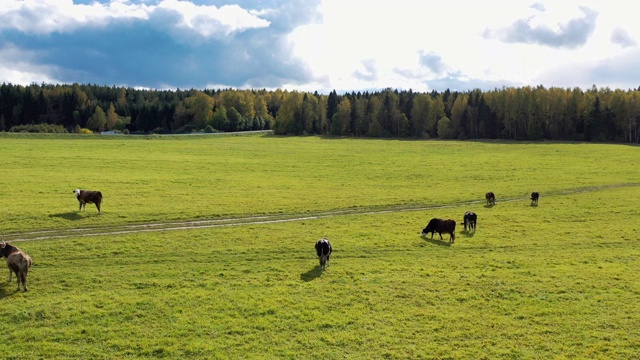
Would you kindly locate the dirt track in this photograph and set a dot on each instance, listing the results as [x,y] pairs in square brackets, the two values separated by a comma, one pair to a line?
[253,220]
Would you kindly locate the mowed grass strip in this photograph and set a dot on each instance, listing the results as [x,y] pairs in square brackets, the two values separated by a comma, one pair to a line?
[160,179]
[554,281]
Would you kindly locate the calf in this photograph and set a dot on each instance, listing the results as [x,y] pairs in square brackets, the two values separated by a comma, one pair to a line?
[470,219]
[88,197]
[441,226]
[323,249]
[491,198]
[18,262]
[534,198]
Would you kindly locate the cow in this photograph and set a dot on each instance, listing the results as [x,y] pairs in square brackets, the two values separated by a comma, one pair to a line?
[534,198]
[470,219]
[323,249]
[491,198]
[441,226]
[18,262]
[88,197]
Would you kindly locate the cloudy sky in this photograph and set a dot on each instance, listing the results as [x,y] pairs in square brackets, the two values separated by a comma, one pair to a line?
[322,45]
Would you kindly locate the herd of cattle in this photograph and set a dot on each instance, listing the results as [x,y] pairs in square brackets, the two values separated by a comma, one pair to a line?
[435,225]
[469,219]
[19,262]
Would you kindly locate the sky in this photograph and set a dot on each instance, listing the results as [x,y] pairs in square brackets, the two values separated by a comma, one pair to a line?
[322,45]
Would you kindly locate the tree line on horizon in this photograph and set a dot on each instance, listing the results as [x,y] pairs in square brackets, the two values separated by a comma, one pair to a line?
[525,113]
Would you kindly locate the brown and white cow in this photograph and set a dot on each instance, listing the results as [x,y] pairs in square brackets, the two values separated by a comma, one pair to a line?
[18,262]
[88,197]
[441,226]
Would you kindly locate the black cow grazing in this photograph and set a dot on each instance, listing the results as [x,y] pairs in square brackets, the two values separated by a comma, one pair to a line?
[441,226]
[88,197]
[534,198]
[470,219]
[18,262]
[491,198]
[323,249]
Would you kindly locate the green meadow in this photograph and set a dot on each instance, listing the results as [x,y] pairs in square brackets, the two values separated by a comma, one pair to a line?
[553,281]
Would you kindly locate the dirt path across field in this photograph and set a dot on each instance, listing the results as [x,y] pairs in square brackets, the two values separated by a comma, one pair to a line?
[265,219]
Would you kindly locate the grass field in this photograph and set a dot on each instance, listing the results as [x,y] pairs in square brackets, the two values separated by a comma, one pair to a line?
[556,281]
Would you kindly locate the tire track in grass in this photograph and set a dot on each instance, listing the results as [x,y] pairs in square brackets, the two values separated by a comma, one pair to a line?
[264,219]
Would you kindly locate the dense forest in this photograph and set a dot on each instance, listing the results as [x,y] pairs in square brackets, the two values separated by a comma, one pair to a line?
[527,113]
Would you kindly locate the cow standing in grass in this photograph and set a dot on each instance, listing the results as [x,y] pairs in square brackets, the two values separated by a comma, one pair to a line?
[88,197]
[323,249]
[490,197]
[534,198]
[470,219]
[441,226]
[18,262]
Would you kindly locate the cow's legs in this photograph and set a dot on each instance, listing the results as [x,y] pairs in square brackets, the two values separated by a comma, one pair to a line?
[98,206]
[23,279]
[18,279]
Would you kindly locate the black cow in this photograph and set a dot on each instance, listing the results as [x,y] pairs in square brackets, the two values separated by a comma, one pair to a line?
[441,226]
[88,197]
[534,198]
[323,249]
[470,219]
[491,198]
[18,262]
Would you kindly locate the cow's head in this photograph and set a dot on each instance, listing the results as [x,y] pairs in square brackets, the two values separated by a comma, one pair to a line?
[77,192]
[431,227]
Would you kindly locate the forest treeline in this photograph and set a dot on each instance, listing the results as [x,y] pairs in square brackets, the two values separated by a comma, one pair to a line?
[526,113]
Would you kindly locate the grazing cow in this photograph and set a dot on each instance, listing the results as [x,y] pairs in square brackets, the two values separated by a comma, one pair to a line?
[441,226]
[534,198]
[323,249]
[18,262]
[491,198]
[88,197]
[470,219]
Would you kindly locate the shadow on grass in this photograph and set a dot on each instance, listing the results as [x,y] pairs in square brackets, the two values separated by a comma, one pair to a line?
[436,241]
[311,274]
[489,206]
[468,233]
[4,293]
[71,215]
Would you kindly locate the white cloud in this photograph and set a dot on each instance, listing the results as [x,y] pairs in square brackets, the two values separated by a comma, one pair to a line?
[48,16]
[426,45]
[210,21]
[18,67]
[621,37]
[353,45]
